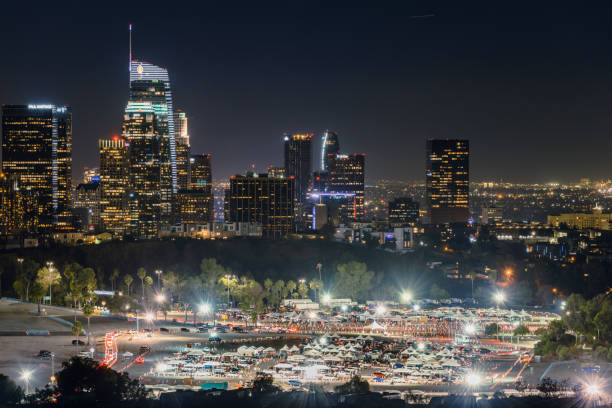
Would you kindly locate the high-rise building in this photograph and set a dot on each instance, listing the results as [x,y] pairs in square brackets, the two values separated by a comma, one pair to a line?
[145,175]
[330,147]
[201,173]
[347,176]
[114,185]
[196,204]
[141,75]
[183,150]
[17,207]
[91,174]
[298,164]
[447,181]
[37,151]
[86,205]
[403,212]
[260,199]
[275,171]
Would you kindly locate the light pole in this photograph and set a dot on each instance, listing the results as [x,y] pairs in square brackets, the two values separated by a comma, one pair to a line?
[51,268]
[25,376]
[20,262]
[319,267]
[158,272]
[499,298]
[227,280]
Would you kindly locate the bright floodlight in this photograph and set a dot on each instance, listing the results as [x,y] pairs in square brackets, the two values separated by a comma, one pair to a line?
[160,298]
[406,297]
[326,298]
[499,297]
[592,389]
[473,380]
[470,329]
[205,308]
[323,340]
[344,308]
[421,346]
[312,315]
[416,307]
[26,375]
[381,309]
[149,316]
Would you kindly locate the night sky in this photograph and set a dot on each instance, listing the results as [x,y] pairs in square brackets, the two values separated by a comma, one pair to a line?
[528,84]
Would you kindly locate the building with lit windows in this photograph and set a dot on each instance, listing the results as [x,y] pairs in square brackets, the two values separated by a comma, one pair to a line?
[145,79]
[447,181]
[330,147]
[298,164]
[581,221]
[183,150]
[18,208]
[260,199]
[37,152]
[91,175]
[86,205]
[276,171]
[492,215]
[201,172]
[403,212]
[346,177]
[146,200]
[196,203]
[114,185]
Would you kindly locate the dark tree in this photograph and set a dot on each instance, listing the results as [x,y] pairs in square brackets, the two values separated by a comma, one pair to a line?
[10,393]
[356,385]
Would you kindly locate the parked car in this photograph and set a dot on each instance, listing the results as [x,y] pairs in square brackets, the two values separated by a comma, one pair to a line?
[80,342]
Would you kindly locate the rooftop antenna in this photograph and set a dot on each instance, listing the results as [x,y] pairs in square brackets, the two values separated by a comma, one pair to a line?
[130,62]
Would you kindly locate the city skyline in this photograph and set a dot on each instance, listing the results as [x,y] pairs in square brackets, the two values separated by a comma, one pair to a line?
[369,76]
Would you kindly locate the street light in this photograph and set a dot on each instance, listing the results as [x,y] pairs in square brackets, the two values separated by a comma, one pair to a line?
[499,297]
[326,298]
[158,272]
[204,308]
[227,280]
[381,309]
[25,376]
[416,307]
[149,317]
[50,267]
[406,297]
[160,298]
[473,380]
[344,308]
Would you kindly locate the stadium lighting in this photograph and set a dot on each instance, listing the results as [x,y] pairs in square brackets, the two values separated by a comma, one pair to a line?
[406,297]
[473,380]
[205,308]
[326,298]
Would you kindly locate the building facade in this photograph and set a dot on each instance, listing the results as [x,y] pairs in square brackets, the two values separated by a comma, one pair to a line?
[403,212]
[330,147]
[346,176]
[260,199]
[447,181]
[114,185]
[37,152]
[86,205]
[183,150]
[298,164]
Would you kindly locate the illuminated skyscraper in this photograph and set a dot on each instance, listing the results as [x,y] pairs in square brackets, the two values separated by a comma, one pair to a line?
[141,75]
[183,149]
[145,175]
[259,199]
[298,162]
[329,148]
[196,204]
[448,181]
[86,204]
[114,185]
[37,151]
[347,176]
[18,208]
[403,212]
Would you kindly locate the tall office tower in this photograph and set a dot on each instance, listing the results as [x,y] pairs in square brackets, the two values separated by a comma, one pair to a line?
[196,204]
[145,175]
[183,149]
[403,212]
[201,173]
[347,176]
[298,163]
[260,199]
[114,185]
[330,146]
[91,175]
[17,208]
[448,181]
[141,75]
[37,151]
[86,205]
